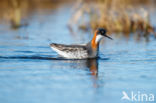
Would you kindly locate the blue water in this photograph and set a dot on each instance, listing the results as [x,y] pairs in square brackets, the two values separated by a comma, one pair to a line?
[30,72]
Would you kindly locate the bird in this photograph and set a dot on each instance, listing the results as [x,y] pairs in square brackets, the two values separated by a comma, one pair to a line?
[81,51]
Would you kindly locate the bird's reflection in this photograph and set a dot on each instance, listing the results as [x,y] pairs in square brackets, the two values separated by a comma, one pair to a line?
[87,64]
[90,65]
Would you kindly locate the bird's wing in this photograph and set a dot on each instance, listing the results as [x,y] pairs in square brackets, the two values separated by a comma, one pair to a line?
[70,51]
[69,48]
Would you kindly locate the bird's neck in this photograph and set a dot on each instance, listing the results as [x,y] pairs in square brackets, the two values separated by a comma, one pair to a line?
[94,42]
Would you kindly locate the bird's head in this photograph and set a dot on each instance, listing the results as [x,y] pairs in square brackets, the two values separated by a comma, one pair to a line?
[100,33]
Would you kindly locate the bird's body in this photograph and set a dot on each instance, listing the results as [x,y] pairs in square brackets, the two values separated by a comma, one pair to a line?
[75,51]
[89,50]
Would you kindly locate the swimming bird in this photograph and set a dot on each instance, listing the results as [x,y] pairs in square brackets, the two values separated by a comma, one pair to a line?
[81,51]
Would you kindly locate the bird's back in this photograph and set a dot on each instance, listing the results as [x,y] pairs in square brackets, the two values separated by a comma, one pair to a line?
[71,51]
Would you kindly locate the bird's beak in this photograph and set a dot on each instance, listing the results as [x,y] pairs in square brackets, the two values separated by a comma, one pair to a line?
[108,37]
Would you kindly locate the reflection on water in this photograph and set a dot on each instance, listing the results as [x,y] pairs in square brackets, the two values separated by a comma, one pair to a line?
[90,65]
[86,64]
[93,67]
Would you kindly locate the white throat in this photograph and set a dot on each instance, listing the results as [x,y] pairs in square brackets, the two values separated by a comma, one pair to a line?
[98,38]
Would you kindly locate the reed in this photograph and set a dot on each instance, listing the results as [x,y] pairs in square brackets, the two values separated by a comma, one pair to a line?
[116,16]
[16,12]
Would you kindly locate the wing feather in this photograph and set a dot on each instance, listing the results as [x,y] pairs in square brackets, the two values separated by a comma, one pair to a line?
[70,51]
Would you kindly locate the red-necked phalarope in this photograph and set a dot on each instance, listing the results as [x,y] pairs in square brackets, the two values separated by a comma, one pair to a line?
[89,50]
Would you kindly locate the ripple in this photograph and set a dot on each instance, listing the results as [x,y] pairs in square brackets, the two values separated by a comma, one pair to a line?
[24,51]
[46,57]
[30,57]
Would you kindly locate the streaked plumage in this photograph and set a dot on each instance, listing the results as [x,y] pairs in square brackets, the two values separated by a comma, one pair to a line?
[70,51]
[89,50]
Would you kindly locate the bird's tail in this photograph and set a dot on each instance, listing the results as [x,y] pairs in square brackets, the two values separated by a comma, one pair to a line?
[53,45]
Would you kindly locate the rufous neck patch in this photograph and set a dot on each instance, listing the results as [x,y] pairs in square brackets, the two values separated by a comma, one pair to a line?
[93,42]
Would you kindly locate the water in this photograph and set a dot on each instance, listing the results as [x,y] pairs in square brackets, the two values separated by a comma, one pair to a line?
[30,72]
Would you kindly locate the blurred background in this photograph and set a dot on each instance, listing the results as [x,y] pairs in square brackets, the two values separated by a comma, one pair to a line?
[115,15]
[31,72]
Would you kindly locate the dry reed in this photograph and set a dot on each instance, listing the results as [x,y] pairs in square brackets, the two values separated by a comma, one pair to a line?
[124,16]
